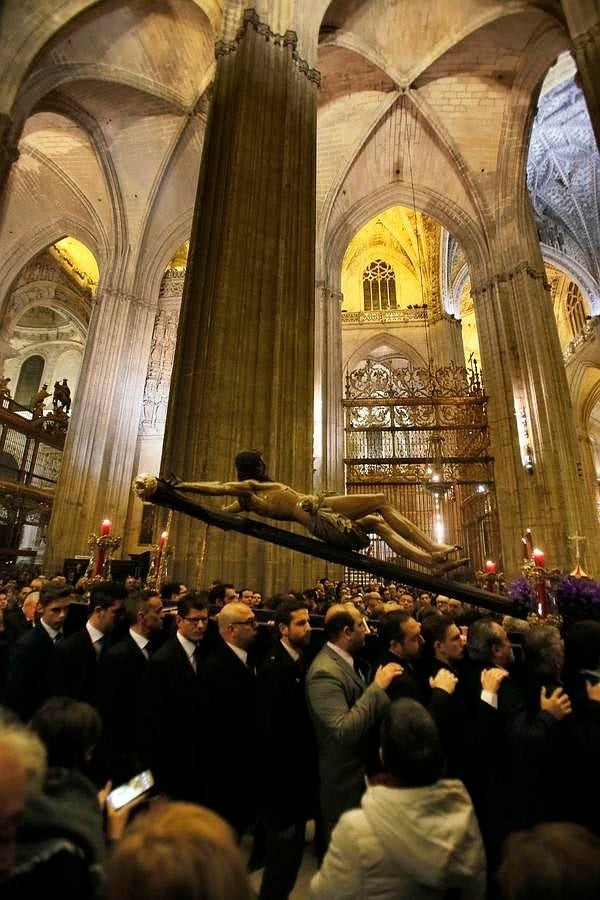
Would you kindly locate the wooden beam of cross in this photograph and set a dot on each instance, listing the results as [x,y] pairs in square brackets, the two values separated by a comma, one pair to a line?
[158,492]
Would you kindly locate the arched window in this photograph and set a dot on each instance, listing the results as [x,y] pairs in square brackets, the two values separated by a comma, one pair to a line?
[379,286]
[575,309]
[30,377]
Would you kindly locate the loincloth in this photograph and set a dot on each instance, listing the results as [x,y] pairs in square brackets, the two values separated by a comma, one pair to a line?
[333,527]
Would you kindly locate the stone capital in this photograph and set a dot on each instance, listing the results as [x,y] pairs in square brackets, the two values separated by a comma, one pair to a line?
[116,295]
[288,39]
[483,288]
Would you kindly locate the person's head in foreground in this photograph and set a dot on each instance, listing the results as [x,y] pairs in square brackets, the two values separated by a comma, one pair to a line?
[410,751]
[552,861]
[178,851]
[22,768]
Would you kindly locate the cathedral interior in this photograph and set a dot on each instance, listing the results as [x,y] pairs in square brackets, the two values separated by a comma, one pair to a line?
[362,236]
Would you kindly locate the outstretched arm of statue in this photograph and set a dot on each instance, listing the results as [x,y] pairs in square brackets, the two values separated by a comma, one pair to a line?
[213,488]
[232,507]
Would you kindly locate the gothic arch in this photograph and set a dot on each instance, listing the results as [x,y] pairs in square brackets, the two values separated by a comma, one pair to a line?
[41,238]
[403,349]
[46,26]
[426,200]
[576,273]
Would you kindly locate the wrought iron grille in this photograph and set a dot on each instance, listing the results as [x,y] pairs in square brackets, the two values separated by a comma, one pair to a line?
[421,437]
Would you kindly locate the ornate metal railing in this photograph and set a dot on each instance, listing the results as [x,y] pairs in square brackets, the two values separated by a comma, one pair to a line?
[383,316]
[420,435]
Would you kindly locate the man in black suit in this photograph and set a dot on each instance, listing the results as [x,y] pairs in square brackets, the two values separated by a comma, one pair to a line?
[288,759]
[75,668]
[21,618]
[445,643]
[31,657]
[171,723]
[401,641]
[120,676]
[229,712]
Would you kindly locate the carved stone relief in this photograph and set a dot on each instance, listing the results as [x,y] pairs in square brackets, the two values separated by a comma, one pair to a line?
[160,366]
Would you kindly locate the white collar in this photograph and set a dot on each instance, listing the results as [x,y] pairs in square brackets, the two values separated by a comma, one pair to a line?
[241,654]
[293,653]
[51,632]
[188,646]
[94,633]
[345,656]
[139,639]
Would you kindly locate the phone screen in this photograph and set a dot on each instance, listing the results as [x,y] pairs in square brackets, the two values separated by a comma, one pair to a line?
[127,792]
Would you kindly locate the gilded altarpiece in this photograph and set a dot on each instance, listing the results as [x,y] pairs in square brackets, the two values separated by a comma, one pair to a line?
[420,436]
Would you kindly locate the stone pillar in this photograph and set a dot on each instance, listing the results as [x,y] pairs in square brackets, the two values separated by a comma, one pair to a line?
[329,391]
[583,22]
[592,487]
[8,149]
[445,334]
[99,455]
[530,404]
[243,370]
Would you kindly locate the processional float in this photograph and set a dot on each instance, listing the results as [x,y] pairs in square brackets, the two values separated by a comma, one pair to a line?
[159,492]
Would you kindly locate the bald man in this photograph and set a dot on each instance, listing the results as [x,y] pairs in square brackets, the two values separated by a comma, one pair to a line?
[228,681]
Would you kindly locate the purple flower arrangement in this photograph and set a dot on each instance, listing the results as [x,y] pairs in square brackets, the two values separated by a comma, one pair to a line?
[522,595]
[577,599]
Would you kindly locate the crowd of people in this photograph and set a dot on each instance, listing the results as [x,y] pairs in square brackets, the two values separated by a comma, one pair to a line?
[439,750]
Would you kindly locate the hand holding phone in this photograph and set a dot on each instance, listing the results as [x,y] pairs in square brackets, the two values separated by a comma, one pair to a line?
[120,802]
[131,790]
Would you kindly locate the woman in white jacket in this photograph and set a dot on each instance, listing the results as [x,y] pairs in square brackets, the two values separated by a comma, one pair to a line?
[415,835]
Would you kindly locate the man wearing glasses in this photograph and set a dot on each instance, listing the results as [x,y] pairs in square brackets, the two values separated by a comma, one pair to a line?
[172,726]
[229,712]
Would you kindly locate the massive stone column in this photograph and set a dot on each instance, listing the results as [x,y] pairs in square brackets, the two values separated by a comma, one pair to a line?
[583,22]
[530,411]
[8,150]
[243,371]
[329,414]
[99,455]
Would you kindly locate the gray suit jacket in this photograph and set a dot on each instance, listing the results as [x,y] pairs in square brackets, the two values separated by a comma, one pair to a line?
[343,710]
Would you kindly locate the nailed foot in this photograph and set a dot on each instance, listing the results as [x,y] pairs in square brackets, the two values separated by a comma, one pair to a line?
[451,565]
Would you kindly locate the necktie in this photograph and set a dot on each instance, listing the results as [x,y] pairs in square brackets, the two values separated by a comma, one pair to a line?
[101,644]
[58,638]
[195,658]
[357,670]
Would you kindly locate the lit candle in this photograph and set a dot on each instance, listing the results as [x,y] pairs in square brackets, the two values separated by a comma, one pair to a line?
[538,557]
[490,567]
[163,540]
[105,527]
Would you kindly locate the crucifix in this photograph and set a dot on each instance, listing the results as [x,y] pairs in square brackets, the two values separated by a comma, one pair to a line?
[576,539]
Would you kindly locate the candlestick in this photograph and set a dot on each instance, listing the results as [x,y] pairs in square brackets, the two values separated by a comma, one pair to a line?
[105,527]
[163,539]
[490,567]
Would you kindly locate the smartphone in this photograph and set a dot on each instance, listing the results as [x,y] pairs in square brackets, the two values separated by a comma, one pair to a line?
[591,675]
[129,791]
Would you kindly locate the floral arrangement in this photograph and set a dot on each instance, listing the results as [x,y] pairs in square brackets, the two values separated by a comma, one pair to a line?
[522,595]
[578,599]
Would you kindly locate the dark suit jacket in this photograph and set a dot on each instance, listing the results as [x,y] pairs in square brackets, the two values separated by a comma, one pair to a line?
[120,674]
[15,624]
[75,668]
[171,723]
[286,741]
[28,674]
[229,745]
